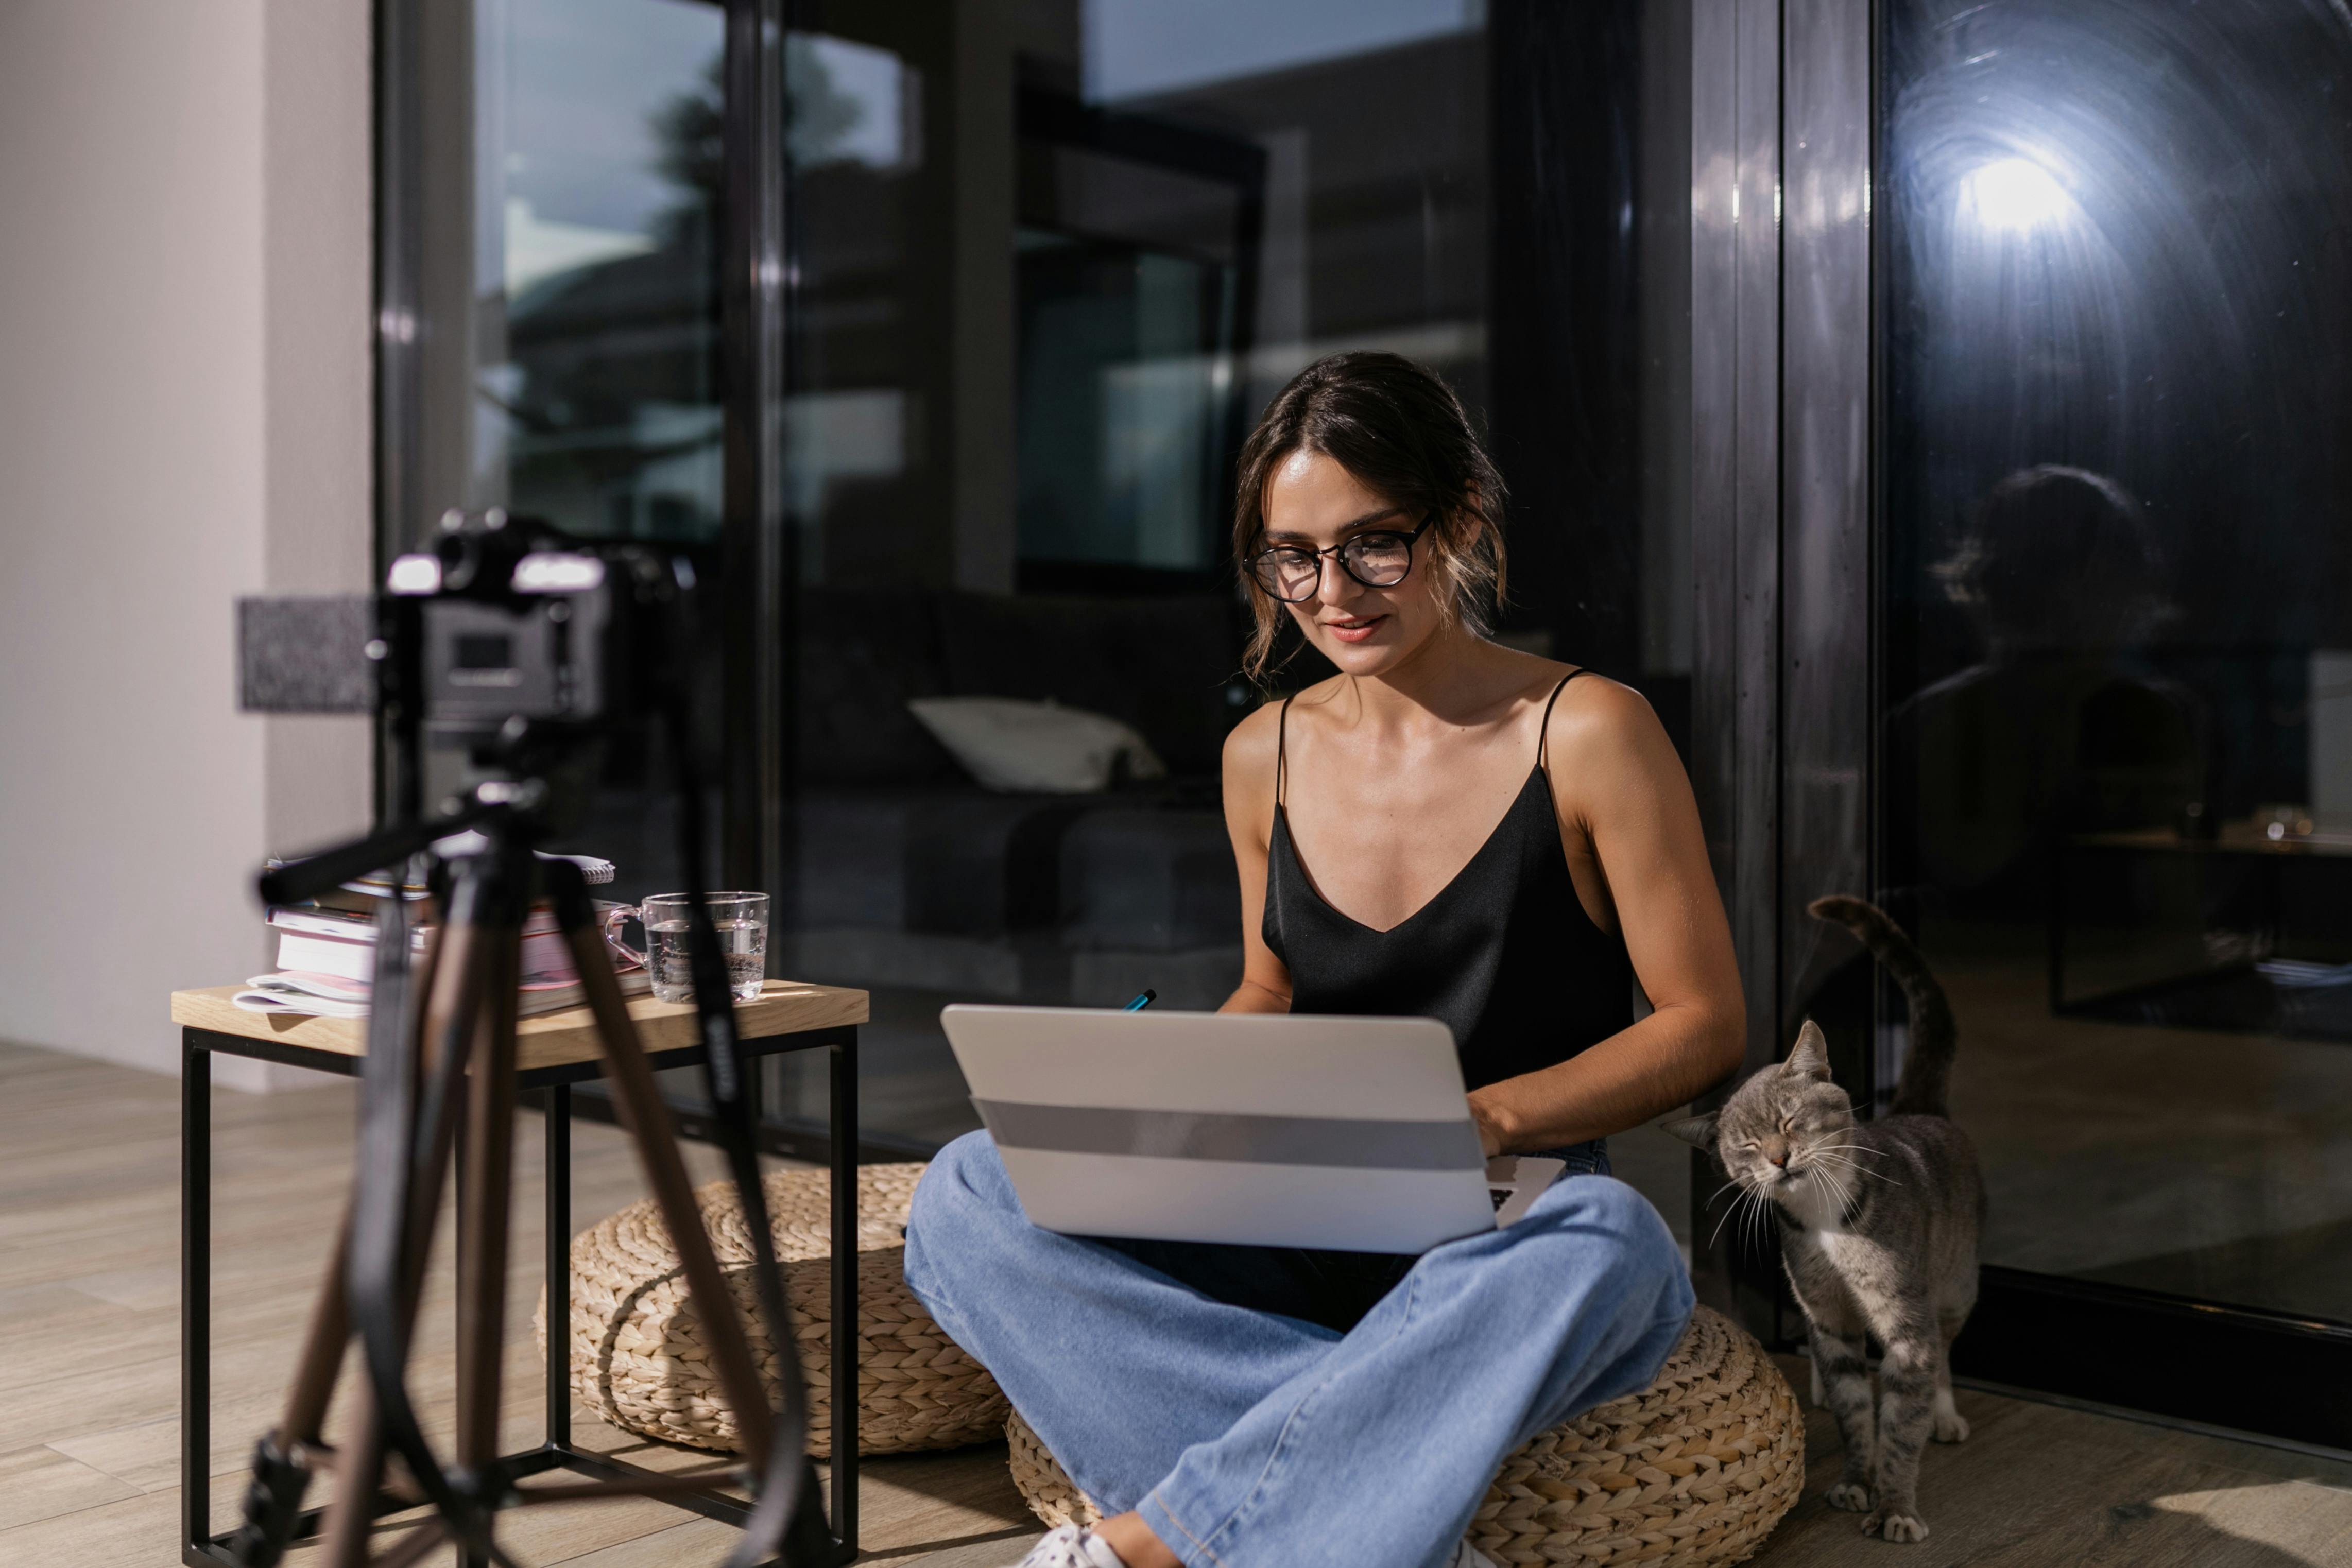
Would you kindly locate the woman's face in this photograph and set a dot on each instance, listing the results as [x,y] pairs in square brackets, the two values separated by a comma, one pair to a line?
[1313,503]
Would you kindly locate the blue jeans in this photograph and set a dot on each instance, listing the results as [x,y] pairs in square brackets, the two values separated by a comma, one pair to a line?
[1238,1398]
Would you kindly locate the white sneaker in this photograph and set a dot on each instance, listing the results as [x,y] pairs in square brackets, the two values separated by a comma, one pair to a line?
[1071,1547]
[1468,1556]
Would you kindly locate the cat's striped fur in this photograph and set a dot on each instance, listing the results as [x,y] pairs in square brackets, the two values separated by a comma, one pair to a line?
[1879,1227]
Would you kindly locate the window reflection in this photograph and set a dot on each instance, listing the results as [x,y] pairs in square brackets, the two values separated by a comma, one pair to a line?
[1029,337]
[600,160]
[1046,261]
[2115,297]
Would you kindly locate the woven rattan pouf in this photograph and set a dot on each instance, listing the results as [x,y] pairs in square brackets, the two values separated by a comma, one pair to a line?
[1692,1472]
[637,1357]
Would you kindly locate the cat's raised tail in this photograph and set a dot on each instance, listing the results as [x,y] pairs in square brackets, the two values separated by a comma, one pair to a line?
[1927,1067]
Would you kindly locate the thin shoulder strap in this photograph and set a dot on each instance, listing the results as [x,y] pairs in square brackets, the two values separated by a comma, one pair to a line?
[1543,733]
[1281,748]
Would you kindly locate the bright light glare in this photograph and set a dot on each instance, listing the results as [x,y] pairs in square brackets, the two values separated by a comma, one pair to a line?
[2014,193]
[550,572]
[415,574]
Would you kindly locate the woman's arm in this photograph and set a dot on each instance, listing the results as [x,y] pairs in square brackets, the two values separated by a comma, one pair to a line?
[1249,819]
[1617,779]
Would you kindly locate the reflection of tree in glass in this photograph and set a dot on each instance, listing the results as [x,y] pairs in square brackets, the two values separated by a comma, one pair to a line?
[614,426]
[690,131]
[691,128]
[822,116]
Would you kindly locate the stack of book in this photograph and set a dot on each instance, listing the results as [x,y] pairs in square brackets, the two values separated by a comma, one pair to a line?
[326,960]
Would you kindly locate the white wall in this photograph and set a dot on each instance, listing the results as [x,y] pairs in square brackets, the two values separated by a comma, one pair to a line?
[183,418]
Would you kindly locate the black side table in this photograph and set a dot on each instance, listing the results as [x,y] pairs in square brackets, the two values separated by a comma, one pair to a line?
[555,1051]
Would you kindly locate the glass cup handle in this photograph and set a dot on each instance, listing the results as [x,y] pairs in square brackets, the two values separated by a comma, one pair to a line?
[614,920]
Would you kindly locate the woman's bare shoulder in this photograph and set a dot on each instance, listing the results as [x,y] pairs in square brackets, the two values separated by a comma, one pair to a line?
[1250,749]
[1255,739]
[1250,744]
[1606,725]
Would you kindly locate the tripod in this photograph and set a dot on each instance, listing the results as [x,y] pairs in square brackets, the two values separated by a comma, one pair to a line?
[443,1052]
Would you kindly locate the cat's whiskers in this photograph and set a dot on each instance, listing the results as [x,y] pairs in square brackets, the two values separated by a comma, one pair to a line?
[1749,1207]
[1829,1155]
[1837,1186]
[1735,1206]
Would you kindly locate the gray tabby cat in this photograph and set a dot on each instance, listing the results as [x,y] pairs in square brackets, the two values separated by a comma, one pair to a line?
[1879,1224]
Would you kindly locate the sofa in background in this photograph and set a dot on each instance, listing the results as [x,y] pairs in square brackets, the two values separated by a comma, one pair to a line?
[908,875]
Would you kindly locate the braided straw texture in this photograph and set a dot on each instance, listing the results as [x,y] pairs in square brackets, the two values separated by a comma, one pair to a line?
[639,1354]
[1692,1472]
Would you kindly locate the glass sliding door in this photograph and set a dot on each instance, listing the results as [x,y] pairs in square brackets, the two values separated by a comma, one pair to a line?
[2114,699]
[1055,261]
[1049,263]
[1020,277]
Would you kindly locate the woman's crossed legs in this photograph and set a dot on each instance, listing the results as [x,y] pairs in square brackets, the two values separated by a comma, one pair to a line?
[1249,1436]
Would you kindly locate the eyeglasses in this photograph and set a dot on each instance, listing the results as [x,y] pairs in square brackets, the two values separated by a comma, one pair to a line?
[1292,573]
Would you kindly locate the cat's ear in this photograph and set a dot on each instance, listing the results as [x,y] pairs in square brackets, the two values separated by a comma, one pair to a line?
[1811,1057]
[1695,1130]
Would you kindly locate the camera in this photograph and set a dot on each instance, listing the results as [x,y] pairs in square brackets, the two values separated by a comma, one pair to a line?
[516,646]
[520,630]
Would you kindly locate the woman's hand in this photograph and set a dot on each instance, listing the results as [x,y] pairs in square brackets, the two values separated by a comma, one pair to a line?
[1490,1131]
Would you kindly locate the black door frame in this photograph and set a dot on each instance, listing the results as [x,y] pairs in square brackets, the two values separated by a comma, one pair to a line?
[1787,523]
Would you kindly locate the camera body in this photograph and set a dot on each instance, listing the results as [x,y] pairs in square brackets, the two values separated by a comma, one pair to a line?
[520,632]
[508,644]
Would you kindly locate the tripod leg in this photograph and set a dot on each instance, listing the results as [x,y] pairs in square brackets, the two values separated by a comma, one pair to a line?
[359,1467]
[636,1100]
[323,1353]
[281,1465]
[483,1204]
[281,1468]
[444,1033]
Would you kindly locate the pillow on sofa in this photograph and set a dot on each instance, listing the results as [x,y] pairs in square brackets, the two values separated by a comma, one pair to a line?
[1036,747]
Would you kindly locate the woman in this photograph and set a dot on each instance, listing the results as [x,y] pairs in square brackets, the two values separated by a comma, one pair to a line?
[1445,828]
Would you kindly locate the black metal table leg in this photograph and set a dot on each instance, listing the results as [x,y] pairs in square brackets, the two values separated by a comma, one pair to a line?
[203,1549]
[195,1299]
[841,1059]
[558,1134]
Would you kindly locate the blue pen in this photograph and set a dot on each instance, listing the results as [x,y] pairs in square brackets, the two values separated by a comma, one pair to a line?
[1141,1002]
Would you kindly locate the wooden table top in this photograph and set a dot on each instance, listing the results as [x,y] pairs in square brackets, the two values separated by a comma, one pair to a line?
[550,1039]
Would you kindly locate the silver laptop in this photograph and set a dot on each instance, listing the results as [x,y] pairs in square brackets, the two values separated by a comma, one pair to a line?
[1263,1128]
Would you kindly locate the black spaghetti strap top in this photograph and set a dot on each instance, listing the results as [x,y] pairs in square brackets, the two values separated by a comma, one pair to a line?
[1504,956]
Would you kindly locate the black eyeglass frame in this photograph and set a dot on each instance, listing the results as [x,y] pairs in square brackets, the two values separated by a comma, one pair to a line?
[1338,555]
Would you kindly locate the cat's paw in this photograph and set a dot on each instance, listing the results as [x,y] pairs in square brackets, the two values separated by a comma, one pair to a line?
[1821,1395]
[1852,1496]
[1951,1426]
[1893,1525]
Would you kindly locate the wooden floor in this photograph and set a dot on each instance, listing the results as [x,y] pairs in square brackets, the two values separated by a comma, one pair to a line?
[90,1379]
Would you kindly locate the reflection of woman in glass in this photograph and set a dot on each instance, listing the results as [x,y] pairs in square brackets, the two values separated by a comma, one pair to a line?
[1445,828]
[2054,729]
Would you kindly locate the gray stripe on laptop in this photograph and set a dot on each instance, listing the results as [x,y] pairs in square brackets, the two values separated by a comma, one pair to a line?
[1216,1135]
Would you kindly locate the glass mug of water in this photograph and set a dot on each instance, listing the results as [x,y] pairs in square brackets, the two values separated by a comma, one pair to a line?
[742,922]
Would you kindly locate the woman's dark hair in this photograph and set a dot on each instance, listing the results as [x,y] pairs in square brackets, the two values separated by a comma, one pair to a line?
[1402,433]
